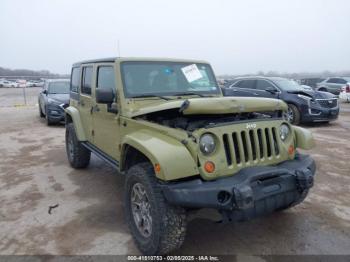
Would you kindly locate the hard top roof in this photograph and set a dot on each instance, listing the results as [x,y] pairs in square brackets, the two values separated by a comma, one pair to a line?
[143,59]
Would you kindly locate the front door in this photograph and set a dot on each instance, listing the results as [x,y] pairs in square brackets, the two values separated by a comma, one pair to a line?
[106,123]
[85,102]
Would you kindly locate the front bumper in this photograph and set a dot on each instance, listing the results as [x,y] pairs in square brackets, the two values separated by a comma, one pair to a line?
[251,192]
[319,114]
[56,113]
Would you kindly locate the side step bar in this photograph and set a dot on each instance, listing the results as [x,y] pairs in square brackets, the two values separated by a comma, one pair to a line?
[114,163]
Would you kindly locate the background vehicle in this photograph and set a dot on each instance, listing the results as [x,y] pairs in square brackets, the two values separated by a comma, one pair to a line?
[333,84]
[345,93]
[52,99]
[303,105]
[311,81]
[165,124]
[8,83]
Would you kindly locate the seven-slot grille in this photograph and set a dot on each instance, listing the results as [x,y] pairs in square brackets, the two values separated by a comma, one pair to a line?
[251,145]
[328,103]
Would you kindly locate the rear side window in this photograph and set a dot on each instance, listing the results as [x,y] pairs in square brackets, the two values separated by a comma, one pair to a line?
[342,81]
[86,80]
[249,84]
[105,77]
[74,82]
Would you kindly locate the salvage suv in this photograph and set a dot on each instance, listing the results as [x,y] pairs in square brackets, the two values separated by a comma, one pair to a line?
[182,146]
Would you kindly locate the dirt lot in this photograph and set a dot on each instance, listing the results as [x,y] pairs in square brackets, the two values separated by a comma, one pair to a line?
[34,174]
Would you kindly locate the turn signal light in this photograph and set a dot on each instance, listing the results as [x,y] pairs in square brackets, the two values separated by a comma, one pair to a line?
[157,168]
[209,167]
[291,150]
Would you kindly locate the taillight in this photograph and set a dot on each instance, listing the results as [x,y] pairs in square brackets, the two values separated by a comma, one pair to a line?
[347,88]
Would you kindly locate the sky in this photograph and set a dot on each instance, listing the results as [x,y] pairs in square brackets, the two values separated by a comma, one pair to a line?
[236,37]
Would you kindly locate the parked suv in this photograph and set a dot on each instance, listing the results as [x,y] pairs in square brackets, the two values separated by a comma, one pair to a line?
[303,105]
[52,99]
[164,124]
[333,84]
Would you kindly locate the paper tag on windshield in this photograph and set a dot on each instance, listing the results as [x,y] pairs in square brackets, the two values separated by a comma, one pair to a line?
[191,73]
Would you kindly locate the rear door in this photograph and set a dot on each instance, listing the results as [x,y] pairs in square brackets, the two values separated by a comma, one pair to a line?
[106,122]
[85,100]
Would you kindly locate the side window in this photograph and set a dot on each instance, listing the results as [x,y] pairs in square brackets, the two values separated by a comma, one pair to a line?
[332,80]
[263,84]
[86,80]
[236,84]
[74,81]
[105,77]
[249,84]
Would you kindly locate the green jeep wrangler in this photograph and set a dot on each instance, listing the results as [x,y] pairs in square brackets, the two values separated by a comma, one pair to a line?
[182,146]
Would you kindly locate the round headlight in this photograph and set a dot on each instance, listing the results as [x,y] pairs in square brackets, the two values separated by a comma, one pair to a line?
[207,144]
[284,131]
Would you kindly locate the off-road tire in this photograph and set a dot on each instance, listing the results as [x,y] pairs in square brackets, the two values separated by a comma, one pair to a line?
[41,114]
[168,222]
[79,156]
[296,114]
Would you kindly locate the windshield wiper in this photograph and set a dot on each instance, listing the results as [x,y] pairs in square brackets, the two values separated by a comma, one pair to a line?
[188,94]
[150,95]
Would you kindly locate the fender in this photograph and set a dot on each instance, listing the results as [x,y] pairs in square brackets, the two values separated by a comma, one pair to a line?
[304,138]
[74,114]
[173,157]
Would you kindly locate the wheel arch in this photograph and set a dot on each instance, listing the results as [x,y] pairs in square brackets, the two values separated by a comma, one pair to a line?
[72,116]
[158,149]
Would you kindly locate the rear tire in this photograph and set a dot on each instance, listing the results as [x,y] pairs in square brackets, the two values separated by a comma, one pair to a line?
[78,155]
[323,89]
[157,227]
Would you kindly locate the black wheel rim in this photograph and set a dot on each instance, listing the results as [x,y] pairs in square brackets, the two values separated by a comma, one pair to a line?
[70,147]
[141,209]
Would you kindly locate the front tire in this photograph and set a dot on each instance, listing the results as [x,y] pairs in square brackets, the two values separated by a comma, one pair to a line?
[41,114]
[293,114]
[78,155]
[157,227]
[47,118]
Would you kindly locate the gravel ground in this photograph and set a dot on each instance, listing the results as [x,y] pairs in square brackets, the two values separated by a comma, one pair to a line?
[89,219]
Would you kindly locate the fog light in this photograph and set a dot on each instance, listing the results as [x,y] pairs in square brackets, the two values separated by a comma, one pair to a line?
[209,166]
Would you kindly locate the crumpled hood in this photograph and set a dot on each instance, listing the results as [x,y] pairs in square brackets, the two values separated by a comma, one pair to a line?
[209,105]
[313,94]
[62,98]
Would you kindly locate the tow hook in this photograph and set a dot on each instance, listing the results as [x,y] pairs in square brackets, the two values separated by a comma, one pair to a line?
[304,179]
[243,197]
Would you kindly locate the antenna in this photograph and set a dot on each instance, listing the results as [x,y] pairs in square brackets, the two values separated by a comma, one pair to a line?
[118,46]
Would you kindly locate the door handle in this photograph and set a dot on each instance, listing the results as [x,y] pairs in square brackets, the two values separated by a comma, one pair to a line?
[81,103]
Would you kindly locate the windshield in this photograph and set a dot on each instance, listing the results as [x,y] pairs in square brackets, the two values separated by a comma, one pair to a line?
[167,79]
[288,85]
[59,87]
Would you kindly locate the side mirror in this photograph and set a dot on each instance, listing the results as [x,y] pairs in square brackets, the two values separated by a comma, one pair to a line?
[104,96]
[45,92]
[271,90]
